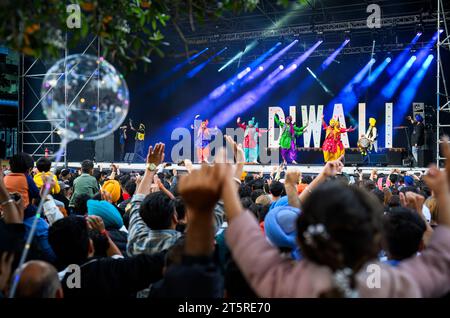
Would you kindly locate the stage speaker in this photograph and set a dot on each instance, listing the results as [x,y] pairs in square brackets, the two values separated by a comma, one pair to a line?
[378,160]
[131,157]
[104,149]
[354,159]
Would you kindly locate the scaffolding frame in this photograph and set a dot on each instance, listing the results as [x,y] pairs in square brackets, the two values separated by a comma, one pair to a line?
[36,132]
[442,96]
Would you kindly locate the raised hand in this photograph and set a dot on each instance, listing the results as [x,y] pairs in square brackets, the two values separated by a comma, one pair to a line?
[412,200]
[96,223]
[333,168]
[202,188]
[156,155]
[292,178]
[188,164]
[113,167]
[438,182]
[238,151]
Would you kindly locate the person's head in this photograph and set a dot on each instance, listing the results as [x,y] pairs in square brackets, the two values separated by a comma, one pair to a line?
[409,181]
[419,118]
[256,194]
[204,124]
[97,175]
[340,227]
[69,239]
[288,120]
[246,202]
[249,178]
[332,123]
[39,280]
[141,126]
[394,201]
[276,189]
[432,204]
[158,211]
[279,226]
[110,215]
[65,174]
[257,184]
[251,123]
[393,177]
[21,163]
[369,185]
[306,179]
[43,164]
[87,166]
[180,208]
[254,208]
[372,121]
[245,191]
[80,204]
[403,233]
[387,196]
[130,187]
[379,194]
[103,175]
[263,199]
[113,188]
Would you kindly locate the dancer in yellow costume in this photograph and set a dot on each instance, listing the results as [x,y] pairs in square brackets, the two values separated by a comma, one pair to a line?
[333,147]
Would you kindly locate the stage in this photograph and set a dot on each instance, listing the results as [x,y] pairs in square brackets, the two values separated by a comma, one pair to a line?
[256,168]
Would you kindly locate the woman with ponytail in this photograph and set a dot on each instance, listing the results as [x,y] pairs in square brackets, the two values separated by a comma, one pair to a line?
[339,232]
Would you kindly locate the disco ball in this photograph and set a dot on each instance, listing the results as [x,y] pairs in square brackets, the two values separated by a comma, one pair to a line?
[85,97]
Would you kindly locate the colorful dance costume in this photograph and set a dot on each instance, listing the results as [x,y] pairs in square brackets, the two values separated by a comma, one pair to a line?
[251,134]
[333,147]
[203,139]
[288,135]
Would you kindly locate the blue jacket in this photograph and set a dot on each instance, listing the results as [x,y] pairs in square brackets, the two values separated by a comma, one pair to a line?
[41,238]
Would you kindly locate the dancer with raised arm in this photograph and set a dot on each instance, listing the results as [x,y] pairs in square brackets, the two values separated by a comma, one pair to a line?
[289,132]
[138,139]
[203,136]
[251,134]
[332,147]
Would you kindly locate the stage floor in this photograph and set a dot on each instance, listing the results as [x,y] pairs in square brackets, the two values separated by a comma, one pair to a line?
[313,169]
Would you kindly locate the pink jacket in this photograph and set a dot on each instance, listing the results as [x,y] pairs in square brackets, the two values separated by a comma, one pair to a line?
[272,275]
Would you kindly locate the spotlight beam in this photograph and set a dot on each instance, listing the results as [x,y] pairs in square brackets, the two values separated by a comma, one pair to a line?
[410,91]
[401,58]
[199,67]
[253,96]
[156,81]
[247,49]
[266,65]
[325,88]
[389,90]
[210,103]
[308,81]
[332,57]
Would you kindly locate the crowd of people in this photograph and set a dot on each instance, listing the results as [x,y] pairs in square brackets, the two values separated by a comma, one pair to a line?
[218,232]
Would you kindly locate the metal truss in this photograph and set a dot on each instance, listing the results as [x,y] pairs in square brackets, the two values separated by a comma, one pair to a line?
[36,132]
[296,52]
[442,90]
[407,20]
